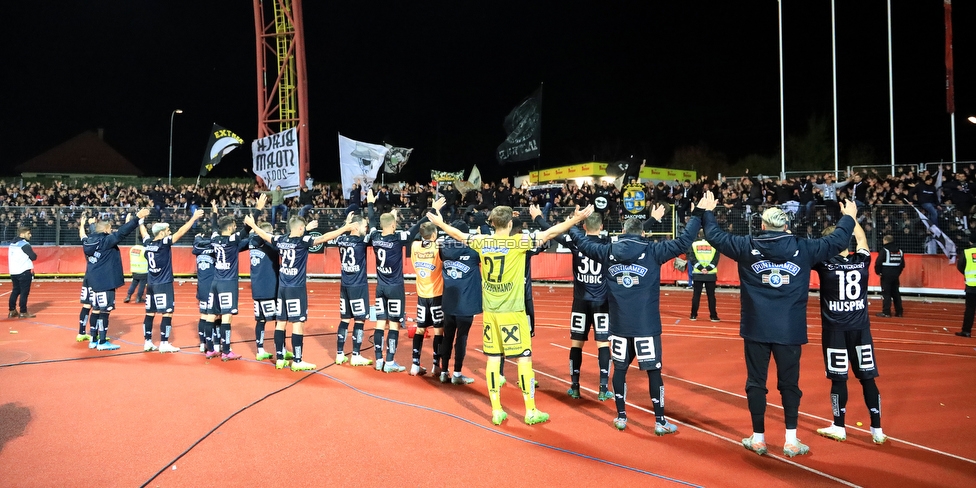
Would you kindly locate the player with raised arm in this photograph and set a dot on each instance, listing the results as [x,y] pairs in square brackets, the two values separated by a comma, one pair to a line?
[462,301]
[774,272]
[264,282]
[388,245]
[105,270]
[846,333]
[353,290]
[426,260]
[204,253]
[159,293]
[632,270]
[227,242]
[86,294]
[506,328]
[536,216]
[292,303]
[591,308]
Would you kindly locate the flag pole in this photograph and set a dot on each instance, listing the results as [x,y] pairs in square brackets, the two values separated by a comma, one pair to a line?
[950,88]
[782,121]
[833,47]
[891,95]
[538,161]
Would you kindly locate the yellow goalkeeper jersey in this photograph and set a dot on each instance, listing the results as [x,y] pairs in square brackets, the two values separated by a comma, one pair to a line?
[502,271]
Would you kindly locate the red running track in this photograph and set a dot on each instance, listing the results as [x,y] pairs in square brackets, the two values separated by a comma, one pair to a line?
[74,417]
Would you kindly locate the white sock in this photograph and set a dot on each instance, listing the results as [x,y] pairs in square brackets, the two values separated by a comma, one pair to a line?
[457,374]
[758,437]
[876,432]
[791,436]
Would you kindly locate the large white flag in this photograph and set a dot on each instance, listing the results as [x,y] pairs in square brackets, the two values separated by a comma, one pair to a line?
[275,161]
[475,177]
[359,160]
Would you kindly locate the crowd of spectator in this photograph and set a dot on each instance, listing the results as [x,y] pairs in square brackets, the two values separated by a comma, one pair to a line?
[943,197]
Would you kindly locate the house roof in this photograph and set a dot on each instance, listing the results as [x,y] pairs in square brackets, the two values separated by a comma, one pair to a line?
[85,153]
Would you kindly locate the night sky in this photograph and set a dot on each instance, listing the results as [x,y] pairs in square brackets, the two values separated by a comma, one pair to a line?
[634,78]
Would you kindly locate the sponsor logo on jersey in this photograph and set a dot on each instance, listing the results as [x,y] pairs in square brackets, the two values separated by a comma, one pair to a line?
[766,265]
[625,274]
[775,279]
[455,269]
[494,249]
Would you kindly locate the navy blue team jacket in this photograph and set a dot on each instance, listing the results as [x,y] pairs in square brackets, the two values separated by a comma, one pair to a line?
[632,270]
[105,261]
[774,277]
[462,279]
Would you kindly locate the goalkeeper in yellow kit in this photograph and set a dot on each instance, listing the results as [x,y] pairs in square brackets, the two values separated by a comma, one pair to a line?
[506,327]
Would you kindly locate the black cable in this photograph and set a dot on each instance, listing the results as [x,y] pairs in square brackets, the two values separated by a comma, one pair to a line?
[241,410]
[64,360]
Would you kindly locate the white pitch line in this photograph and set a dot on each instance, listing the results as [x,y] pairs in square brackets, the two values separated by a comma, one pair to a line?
[731,338]
[703,431]
[919,446]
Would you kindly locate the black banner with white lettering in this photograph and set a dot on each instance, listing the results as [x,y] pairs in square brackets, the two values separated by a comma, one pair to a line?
[221,142]
[524,127]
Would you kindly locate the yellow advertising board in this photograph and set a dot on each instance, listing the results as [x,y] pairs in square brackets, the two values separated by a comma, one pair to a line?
[594,169]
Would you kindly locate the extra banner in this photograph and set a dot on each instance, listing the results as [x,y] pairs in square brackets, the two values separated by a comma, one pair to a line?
[276,161]
[221,142]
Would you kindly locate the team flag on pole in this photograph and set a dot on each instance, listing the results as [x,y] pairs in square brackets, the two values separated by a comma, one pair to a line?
[221,142]
[524,127]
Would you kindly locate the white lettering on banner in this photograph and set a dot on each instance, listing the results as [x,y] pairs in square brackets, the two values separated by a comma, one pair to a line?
[275,160]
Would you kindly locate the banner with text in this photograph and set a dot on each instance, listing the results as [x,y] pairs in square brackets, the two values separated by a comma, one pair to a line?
[221,142]
[276,161]
[359,161]
[524,127]
[446,176]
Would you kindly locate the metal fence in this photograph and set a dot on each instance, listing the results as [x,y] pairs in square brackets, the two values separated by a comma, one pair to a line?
[60,225]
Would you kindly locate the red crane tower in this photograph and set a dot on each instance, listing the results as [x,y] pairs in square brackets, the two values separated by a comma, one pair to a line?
[281,75]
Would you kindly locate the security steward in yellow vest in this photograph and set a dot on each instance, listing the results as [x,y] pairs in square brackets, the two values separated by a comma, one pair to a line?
[139,268]
[703,262]
[966,264]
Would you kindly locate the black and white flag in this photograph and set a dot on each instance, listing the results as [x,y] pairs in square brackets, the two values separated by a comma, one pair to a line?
[396,158]
[221,142]
[524,127]
[359,161]
[938,237]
